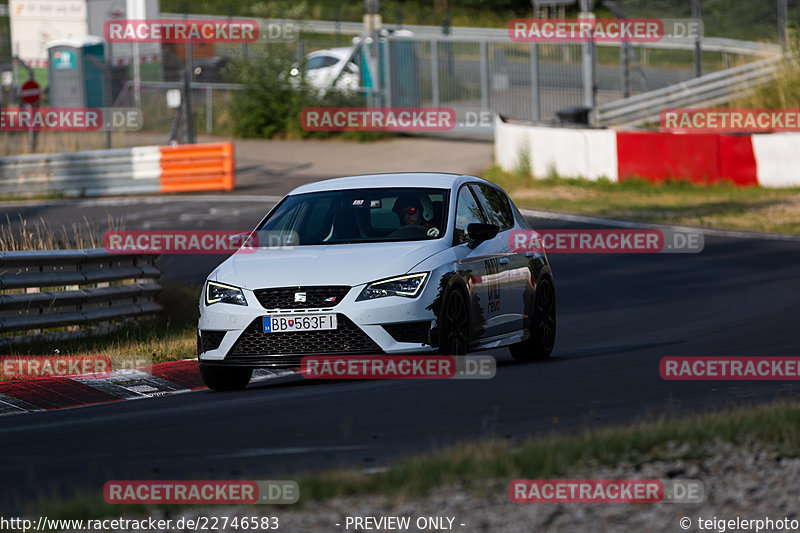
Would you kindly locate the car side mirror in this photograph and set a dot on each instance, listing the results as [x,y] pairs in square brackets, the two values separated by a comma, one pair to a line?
[478,233]
[238,240]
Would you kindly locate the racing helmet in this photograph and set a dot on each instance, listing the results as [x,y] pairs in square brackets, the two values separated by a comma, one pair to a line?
[418,202]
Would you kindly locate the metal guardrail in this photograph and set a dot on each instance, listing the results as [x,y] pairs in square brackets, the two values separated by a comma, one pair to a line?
[468,33]
[82,173]
[708,90]
[51,289]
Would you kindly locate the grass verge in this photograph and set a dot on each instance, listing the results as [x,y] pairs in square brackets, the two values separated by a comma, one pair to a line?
[489,466]
[672,202]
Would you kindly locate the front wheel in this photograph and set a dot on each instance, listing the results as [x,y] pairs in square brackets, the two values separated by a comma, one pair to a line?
[222,378]
[454,320]
[542,328]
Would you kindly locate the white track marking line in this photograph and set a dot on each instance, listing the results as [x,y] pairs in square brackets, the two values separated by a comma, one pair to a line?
[632,224]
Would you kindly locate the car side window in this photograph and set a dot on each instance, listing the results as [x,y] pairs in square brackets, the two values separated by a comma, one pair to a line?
[467,212]
[495,204]
[320,62]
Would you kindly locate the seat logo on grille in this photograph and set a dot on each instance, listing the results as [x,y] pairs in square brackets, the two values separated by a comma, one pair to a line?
[300,297]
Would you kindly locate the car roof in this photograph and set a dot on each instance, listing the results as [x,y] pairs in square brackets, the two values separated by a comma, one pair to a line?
[434,180]
[340,53]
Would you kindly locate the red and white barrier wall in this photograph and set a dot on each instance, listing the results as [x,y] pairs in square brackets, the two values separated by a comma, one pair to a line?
[769,159]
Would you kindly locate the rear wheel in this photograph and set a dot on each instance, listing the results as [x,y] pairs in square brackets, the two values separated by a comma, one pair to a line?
[454,320]
[542,328]
[222,378]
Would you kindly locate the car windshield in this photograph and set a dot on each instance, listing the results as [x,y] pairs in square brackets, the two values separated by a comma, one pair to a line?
[357,215]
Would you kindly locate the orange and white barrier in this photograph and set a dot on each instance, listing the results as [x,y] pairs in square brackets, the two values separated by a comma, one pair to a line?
[196,167]
[139,170]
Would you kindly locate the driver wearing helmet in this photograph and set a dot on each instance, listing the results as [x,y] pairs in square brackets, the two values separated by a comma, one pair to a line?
[411,212]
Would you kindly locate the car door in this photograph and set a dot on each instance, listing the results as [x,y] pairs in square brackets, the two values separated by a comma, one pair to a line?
[513,274]
[479,266]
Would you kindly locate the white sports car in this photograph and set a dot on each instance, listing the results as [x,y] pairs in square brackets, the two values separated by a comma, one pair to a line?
[409,263]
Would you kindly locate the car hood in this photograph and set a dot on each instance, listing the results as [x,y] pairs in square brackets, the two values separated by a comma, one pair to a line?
[335,264]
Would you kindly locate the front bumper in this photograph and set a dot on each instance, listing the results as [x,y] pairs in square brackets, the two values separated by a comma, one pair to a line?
[232,334]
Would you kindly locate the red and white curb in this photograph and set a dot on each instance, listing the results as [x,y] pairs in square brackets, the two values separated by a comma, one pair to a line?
[161,379]
[768,159]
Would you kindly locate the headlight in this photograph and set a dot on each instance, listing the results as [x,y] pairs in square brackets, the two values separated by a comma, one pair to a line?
[221,293]
[408,286]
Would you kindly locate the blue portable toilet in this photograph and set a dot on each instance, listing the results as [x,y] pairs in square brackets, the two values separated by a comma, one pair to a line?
[75,66]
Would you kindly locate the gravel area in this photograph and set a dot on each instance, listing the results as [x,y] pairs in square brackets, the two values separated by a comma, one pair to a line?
[746,484]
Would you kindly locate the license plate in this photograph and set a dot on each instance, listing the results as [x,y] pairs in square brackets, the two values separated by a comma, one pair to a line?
[275,324]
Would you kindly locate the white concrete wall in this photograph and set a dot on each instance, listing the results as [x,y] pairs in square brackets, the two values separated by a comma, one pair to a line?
[776,155]
[571,152]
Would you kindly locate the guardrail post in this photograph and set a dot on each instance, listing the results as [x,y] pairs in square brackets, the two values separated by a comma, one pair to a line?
[387,67]
[209,111]
[484,75]
[588,61]
[698,47]
[435,71]
[782,23]
[535,96]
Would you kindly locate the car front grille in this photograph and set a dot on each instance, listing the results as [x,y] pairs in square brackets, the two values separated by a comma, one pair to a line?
[416,332]
[255,346]
[315,297]
[210,339]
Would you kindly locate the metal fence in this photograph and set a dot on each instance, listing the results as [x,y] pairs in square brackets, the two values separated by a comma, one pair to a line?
[523,81]
[63,288]
[530,81]
[472,70]
[210,101]
[709,90]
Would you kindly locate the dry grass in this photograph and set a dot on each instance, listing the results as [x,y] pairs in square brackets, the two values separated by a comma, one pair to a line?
[680,203]
[38,235]
[171,336]
[782,93]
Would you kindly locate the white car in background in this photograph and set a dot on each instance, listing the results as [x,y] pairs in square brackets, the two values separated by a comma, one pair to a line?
[326,69]
[409,263]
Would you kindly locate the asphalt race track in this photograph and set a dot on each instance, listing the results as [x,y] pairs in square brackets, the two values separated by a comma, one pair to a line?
[618,315]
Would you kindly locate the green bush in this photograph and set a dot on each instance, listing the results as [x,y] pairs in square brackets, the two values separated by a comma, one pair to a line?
[266,106]
[270,107]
